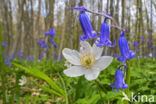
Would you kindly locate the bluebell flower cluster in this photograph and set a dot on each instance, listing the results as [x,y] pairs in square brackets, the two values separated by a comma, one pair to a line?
[124,49]
[119,79]
[43,43]
[51,33]
[7,59]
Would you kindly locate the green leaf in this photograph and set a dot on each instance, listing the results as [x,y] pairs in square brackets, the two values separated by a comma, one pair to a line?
[46,89]
[41,75]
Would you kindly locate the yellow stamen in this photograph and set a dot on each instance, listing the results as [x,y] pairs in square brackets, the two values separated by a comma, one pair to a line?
[87,60]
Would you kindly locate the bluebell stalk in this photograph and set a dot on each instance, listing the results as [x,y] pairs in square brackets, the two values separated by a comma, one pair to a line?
[103,40]
[124,49]
[86,26]
[119,79]
[51,32]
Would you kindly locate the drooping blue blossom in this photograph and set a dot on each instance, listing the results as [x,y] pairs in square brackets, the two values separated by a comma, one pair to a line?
[142,39]
[40,58]
[20,54]
[124,49]
[11,57]
[119,79]
[4,44]
[51,32]
[30,58]
[43,43]
[136,45]
[51,40]
[103,40]
[86,26]
[149,42]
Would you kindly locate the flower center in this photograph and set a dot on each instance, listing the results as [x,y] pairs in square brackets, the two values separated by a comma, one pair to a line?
[87,60]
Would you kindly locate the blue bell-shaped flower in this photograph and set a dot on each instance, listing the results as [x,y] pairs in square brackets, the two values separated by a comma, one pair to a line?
[86,26]
[51,32]
[43,43]
[119,80]
[136,45]
[124,49]
[4,44]
[103,40]
[52,42]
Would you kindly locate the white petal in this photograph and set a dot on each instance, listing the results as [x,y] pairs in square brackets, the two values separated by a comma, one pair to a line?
[21,84]
[85,47]
[72,56]
[92,74]
[97,51]
[75,71]
[103,62]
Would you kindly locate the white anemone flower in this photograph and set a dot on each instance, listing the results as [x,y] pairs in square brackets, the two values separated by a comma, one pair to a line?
[88,62]
[22,81]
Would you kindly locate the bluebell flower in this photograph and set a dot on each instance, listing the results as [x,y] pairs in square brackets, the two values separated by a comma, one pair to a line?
[4,44]
[43,43]
[51,32]
[119,80]
[103,40]
[142,39]
[124,49]
[86,26]
[45,51]
[30,58]
[136,45]
[149,42]
[20,54]
[7,61]
[51,40]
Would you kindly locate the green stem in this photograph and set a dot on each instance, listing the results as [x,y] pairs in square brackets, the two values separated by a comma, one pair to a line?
[66,94]
[127,79]
[17,89]
[2,70]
